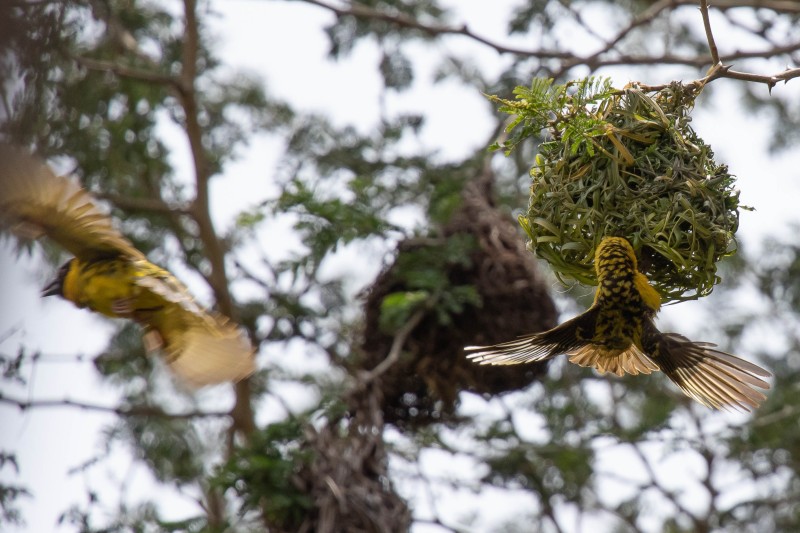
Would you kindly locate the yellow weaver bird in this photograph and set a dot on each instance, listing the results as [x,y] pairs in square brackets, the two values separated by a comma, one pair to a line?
[108,275]
[617,334]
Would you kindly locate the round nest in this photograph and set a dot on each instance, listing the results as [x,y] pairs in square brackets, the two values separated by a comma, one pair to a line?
[625,163]
[422,386]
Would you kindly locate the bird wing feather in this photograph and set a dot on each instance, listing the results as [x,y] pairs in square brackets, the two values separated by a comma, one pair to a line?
[200,356]
[567,337]
[714,378]
[200,347]
[34,202]
[167,287]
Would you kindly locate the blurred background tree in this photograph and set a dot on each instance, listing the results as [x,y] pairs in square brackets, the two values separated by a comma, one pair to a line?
[379,250]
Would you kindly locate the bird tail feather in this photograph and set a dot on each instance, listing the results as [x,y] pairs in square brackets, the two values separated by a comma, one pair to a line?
[631,361]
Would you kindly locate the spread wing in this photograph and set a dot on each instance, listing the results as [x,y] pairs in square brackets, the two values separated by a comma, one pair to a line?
[567,337]
[34,202]
[200,347]
[714,378]
[200,356]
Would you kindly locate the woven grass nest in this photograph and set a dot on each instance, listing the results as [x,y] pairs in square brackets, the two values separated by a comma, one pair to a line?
[422,387]
[624,163]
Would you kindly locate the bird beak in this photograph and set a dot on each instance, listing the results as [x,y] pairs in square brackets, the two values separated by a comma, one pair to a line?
[53,288]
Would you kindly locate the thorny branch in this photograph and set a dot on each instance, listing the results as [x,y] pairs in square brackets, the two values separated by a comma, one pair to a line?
[354,9]
[609,54]
[712,46]
[719,70]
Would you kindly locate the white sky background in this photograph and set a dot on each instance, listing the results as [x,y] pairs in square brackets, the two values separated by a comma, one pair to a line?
[284,43]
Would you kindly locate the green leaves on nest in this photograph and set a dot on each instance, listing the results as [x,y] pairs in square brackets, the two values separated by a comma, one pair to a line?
[624,163]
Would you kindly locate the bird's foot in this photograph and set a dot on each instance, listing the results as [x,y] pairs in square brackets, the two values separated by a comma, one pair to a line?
[153,341]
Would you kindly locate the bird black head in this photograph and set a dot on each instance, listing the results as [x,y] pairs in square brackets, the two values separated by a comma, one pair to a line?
[56,287]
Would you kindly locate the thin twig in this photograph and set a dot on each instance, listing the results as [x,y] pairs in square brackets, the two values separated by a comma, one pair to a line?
[769,80]
[787,411]
[671,495]
[354,9]
[125,71]
[134,411]
[641,19]
[780,6]
[149,205]
[712,46]
[724,71]
[397,346]
[599,58]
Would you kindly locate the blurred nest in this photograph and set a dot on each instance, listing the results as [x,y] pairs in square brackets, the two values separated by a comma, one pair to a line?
[625,163]
[347,478]
[422,386]
[323,472]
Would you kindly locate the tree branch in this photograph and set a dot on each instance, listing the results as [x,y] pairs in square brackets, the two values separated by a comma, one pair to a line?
[243,416]
[712,46]
[150,205]
[134,411]
[719,70]
[397,347]
[357,10]
[780,6]
[641,19]
[125,71]
[597,59]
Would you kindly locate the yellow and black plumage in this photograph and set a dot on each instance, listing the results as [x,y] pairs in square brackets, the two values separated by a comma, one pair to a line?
[110,276]
[617,334]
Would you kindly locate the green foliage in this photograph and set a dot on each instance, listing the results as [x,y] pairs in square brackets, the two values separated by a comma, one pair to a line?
[397,70]
[571,112]
[141,518]
[125,360]
[172,449]
[398,307]
[425,271]
[11,366]
[265,474]
[329,222]
[10,493]
[104,121]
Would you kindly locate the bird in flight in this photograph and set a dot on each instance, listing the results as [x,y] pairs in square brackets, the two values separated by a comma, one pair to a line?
[617,334]
[110,276]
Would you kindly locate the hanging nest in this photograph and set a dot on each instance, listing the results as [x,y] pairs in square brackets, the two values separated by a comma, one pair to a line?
[481,258]
[348,478]
[323,474]
[625,163]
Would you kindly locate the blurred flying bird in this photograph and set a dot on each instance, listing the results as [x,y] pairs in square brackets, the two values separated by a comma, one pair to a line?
[110,276]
